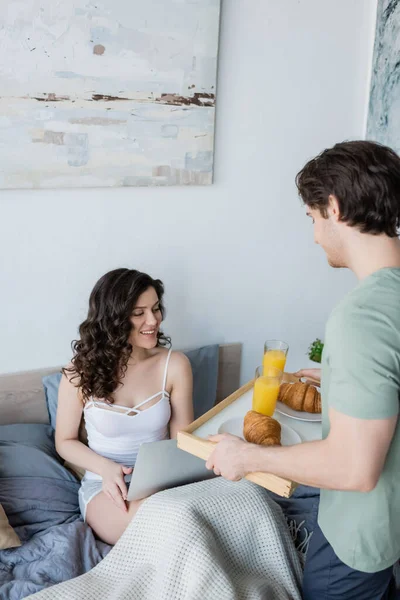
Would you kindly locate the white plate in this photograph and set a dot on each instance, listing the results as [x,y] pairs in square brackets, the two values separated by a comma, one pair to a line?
[289,436]
[297,414]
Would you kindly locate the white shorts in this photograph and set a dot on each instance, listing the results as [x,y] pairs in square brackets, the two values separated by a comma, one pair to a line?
[89,489]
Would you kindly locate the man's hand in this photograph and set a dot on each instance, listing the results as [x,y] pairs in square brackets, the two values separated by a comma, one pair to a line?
[230,457]
[312,376]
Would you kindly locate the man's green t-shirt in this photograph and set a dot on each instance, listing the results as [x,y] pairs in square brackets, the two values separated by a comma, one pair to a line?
[361,378]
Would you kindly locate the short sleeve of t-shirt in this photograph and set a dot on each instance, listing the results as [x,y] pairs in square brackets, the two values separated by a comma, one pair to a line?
[362,357]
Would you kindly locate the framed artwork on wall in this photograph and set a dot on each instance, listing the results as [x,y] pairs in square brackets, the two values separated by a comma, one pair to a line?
[384,103]
[107,93]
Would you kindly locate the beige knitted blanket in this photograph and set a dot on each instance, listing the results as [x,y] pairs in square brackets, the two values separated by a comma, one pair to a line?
[213,540]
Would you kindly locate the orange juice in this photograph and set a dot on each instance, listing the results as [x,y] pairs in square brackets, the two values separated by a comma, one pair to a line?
[274,358]
[265,395]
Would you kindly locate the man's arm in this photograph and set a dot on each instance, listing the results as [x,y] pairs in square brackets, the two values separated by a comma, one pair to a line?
[350,458]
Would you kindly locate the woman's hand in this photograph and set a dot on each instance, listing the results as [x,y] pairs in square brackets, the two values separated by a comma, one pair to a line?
[114,485]
[312,376]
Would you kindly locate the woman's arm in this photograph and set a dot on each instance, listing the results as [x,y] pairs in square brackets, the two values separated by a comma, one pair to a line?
[181,379]
[69,415]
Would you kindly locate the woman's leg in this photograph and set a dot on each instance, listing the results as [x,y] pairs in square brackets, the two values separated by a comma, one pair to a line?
[107,520]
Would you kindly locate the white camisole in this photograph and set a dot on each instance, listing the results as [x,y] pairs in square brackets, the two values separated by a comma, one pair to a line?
[116,432]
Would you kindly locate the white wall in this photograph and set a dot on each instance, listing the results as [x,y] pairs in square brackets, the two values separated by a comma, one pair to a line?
[237,258]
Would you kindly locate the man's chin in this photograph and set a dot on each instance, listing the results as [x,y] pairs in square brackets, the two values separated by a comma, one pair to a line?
[335,264]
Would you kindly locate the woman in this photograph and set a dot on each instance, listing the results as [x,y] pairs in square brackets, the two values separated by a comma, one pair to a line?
[129,388]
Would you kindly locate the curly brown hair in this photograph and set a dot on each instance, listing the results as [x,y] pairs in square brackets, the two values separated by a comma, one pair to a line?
[101,354]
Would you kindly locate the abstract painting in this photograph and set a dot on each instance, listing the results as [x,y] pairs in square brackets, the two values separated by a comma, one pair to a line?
[384,103]
[97,93]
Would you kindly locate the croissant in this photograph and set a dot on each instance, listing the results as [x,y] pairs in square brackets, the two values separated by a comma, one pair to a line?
[260,429]
[300,396]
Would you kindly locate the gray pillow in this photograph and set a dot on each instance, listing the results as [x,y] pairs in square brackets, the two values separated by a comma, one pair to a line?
[33,435]
[28,450]
[36,491]
[51,384]
[204,362]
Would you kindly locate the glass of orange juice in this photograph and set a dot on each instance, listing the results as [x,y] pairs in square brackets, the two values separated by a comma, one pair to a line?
[275,353]
[266,389]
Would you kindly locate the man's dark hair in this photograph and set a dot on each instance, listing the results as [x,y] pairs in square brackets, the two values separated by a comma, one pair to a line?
[364,177]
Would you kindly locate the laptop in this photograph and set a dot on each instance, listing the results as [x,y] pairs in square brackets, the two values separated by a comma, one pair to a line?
[162,465]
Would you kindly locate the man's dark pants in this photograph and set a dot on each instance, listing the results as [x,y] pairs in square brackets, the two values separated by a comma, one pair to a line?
[326,577]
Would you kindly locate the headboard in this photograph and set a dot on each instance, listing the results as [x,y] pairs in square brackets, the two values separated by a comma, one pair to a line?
[22,396]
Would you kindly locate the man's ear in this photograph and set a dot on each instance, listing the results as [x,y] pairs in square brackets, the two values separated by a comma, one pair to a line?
[333,208]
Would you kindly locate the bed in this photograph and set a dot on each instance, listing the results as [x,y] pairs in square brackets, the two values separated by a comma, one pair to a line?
[40,495]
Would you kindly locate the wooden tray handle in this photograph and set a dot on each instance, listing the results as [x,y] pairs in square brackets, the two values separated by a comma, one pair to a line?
[203,449]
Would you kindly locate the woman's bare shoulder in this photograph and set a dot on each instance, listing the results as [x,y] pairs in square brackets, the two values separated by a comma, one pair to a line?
[179,362]
[68,372]
[70,378]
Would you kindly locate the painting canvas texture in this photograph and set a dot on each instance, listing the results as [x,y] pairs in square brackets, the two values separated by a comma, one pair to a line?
[384,104]
[107,93]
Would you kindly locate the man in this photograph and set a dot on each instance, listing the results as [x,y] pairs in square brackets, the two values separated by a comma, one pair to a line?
[352,194]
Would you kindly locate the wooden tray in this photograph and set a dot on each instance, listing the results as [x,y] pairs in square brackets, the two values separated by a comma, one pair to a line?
[203,448]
